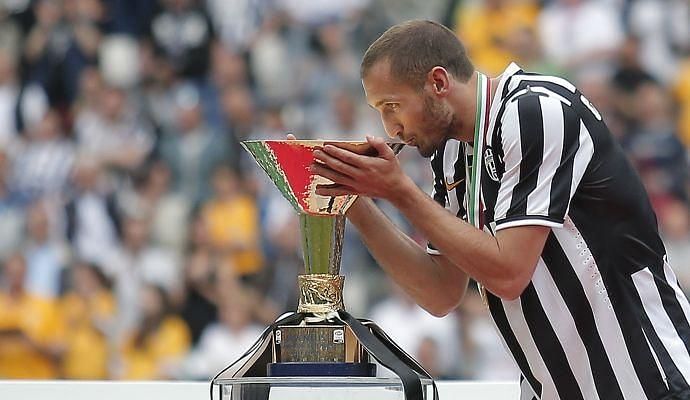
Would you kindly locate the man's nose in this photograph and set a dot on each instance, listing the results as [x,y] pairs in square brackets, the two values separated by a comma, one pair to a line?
[393,130]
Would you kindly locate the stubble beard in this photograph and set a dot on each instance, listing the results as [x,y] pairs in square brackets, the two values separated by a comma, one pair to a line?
[439,124]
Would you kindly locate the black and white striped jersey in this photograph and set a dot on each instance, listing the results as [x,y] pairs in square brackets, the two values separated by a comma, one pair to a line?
[603,316]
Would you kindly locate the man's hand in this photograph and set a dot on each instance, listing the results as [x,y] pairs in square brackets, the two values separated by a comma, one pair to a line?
[379,176]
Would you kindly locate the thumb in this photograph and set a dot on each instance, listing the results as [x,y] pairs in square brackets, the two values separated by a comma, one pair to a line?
[381,147]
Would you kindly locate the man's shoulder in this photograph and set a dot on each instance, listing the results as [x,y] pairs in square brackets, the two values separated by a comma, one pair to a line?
[527,93]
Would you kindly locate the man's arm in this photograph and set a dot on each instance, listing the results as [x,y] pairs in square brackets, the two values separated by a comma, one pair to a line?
[432,281]
[504,264]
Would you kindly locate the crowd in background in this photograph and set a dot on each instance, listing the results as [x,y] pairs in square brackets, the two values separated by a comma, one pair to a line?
[139,241]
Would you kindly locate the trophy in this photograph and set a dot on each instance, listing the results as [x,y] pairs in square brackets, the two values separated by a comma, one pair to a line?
[321,339]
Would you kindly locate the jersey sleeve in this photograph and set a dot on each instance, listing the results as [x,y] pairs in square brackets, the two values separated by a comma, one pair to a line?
[546,149]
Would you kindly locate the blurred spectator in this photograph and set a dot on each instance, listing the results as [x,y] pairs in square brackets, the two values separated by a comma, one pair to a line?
[223,342]
[9,96]
[628,75]
[11,211]
[10,33]
[192,150]
[408,325]
[229,67]
[119,61]
[664,34]
[42,160]
[157,85]
[484,356]
[198,303]
[31,329]
[88,309]
[45,256]
[429,356]
[396,11]
[92,215]
[64,39]
[333,65]
[135,263]
[654,146]
[131,17]
[237,22]
[91,86]
[154,348]
[580,34]
[529,54]
[237,104]
[681,91]
[488,30]
[233,225]
[283,244]
[166,212]
[113,132]
[272,58]
[182,33]
[228,70]
[345,119]
[610,100]
[316,12]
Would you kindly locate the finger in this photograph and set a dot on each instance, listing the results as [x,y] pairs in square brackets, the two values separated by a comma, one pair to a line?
[381,147]
[290,136]
[330,174]
[348,157]
[335,163]
[334,190]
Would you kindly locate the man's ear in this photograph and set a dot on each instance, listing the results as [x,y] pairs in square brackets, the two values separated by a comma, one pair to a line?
[439,80]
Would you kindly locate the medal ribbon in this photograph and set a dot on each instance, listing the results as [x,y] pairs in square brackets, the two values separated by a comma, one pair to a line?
[473,181]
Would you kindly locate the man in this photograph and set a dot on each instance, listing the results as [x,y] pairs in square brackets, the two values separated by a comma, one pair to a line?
[559,229]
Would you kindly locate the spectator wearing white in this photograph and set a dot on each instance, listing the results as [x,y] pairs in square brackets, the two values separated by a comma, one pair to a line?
[152,199]
[484,356]
[113,132]
[42,160]
[135,263]
[226,340]
[46,256]
[664,34]
[409,325]
[580,34]
[192,150]
[237,22]
[92,214]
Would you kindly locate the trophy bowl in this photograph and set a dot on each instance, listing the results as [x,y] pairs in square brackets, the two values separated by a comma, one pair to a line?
[287,163]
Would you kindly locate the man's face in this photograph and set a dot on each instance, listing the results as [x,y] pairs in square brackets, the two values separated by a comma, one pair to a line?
[415,116]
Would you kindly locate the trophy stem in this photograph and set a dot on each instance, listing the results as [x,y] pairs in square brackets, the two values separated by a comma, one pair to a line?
[322,242]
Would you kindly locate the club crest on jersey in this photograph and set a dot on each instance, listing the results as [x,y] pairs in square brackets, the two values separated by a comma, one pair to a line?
[490,164]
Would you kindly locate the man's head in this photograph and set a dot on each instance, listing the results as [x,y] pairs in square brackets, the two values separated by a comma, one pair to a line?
[408,74]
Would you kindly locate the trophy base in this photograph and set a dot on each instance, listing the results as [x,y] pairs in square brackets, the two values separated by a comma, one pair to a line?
[266,365]
[322,369]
